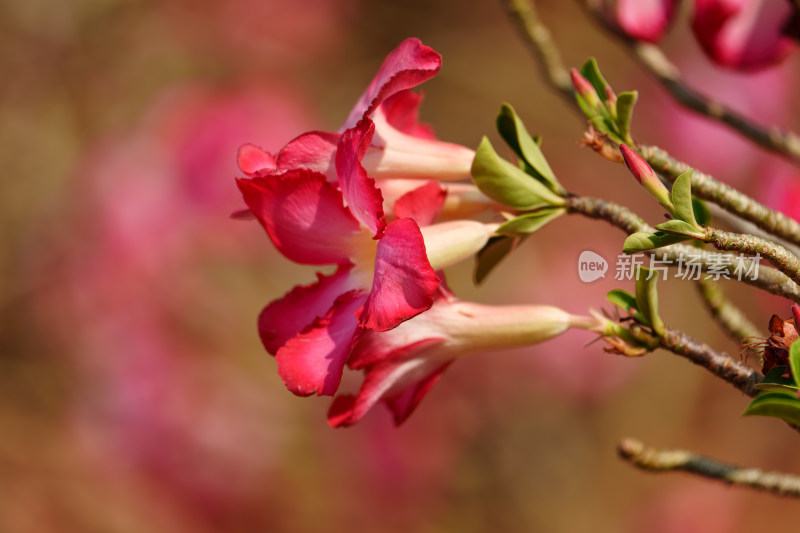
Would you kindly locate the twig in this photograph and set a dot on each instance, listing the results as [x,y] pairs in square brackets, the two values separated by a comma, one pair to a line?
[720,364]
[539,41]
[727,315]
[650,56]
[706,187]
[780,257]
[653,460]
[768,279]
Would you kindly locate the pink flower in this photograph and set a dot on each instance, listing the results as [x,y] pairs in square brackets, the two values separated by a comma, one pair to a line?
[645,20]
[744,34]
[385,275]
[401,365]
[402,147]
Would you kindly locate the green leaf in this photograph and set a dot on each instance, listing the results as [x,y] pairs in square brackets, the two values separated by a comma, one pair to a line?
[625,103]
[794,361]
[647,298]
[776,387]
[682,198]
[627,302]
[529,222]
[622,299]
[527,148]
[777,405]
[490,256]
[506,183]
[679,227]
[643,240]
[591,72]
[701,212]
[774,381]
[775,375]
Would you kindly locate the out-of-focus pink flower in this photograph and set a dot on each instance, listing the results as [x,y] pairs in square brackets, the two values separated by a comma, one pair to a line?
[401,365]
[386,272]
[765,97]
[744,34]
[234,29]
[402,147]
[781,189]
[645,20]
[154,394]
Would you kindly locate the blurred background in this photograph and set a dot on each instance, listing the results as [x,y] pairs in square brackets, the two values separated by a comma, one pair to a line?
[135,395]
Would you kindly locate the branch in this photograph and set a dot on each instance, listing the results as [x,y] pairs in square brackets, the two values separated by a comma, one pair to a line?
[653,460]
[540,43]
[706,187]
[780,257]
[727,315]
[768,279]
[650,56]
[720,364]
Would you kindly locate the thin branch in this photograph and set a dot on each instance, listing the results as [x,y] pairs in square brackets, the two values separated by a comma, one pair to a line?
[720,364]
[540,43]
[650,56]
[653,460]
[727,315]
[706,187]
[768,279]
[780,257]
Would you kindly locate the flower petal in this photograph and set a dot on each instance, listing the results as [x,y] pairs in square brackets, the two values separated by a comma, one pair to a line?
[285,317]
[408,65]
[303,214]
[254,160]
[744,34]
[402,112]
[400,382]
[314,150]
[312,362]
[404,403]
[359,190]
[404,283]
[422,204]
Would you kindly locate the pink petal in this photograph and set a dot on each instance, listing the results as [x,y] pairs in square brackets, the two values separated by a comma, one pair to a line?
[645,20]
[408,65]
[303,215]
[252,159]
[422,204]
[402,112]
[313,361]
[414,378]
[404,403]
[284,318]
[314,150]
[359,190]
[743,34]
[404,282]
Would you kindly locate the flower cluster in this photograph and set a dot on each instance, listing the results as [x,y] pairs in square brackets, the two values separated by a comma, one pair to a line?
[353,199]
[736,34]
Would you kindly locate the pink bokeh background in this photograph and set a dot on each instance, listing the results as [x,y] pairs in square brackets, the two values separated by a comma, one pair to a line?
[134,392]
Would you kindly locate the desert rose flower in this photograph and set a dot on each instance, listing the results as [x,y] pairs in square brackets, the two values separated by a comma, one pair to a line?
[401,365]
[402,147]
[744,34]
[645,20]
[385,275]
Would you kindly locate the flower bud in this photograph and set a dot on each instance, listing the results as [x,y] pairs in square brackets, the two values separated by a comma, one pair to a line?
[646,176]
[584,88]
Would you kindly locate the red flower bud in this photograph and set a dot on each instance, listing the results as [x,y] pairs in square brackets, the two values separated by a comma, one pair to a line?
[584,88]
[646,176]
